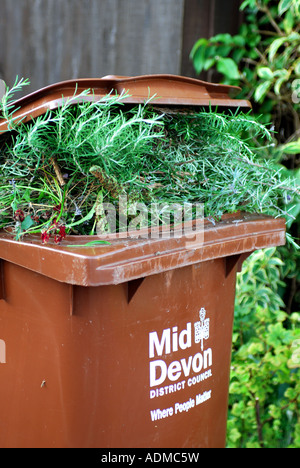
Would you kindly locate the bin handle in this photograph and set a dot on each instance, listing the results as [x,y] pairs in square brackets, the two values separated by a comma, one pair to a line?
[235,261]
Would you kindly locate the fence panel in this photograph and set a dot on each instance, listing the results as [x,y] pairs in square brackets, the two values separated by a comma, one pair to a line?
[53,40]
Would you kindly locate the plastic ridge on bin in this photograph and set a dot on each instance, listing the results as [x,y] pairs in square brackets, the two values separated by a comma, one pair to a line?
[127,259]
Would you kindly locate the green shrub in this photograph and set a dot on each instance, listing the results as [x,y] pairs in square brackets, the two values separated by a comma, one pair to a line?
[264,60]
[265,377]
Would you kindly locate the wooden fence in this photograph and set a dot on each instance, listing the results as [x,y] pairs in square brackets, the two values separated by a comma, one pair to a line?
[53,40]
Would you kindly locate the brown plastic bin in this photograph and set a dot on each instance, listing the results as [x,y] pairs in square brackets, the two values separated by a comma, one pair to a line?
[127,344]
[122,345]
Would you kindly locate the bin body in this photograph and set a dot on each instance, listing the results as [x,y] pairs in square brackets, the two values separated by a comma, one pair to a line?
[84,380]
[138,359]
[128,344]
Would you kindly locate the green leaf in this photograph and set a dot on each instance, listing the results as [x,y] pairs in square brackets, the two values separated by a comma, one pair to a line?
[276,335]
[279,83]
[265,73]
[284,5]
[239,41]
[248,3]
[288,22]
[229,68]
[82,220]
[291,148]
[225,38]
[294,36]
[223,50]
[234,434]
[262,90]
[275,46]
[27,223]
[201,42]
[238,54]
[210,62]
[198,56]
[90,244]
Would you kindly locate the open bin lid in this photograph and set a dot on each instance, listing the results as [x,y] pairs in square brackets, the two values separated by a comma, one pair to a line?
[171,90]
[128,259]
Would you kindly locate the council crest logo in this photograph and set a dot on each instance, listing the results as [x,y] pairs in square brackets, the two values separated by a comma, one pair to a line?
[202,328]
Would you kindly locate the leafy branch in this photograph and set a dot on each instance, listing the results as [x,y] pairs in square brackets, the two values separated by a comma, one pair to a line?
[7,107]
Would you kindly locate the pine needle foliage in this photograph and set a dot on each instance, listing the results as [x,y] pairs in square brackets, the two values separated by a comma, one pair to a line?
[56,168]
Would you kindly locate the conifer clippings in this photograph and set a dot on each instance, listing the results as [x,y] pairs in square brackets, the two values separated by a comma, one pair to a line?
[68,156]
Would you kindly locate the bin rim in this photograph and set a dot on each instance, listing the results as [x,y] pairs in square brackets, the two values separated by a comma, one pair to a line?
[171,90]
[128,259]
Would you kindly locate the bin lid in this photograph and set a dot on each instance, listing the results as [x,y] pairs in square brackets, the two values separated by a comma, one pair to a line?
[171,90]
[128,259]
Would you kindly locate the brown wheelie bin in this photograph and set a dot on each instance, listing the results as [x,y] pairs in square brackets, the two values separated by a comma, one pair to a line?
[126,344]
